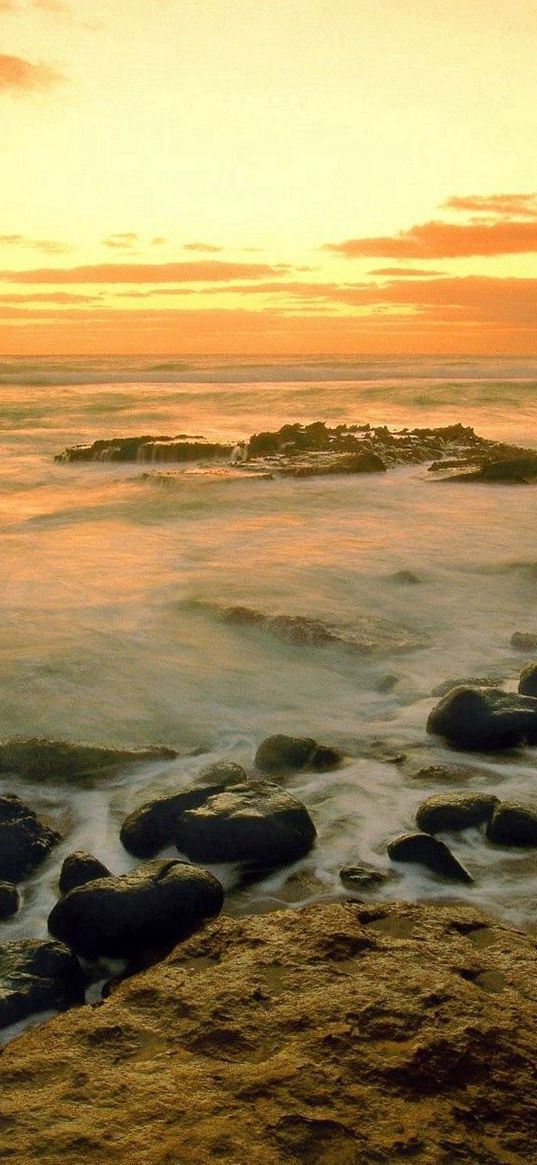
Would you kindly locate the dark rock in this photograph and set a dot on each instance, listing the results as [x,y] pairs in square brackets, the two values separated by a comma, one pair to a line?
[281,753]
[153,826]
[454,811]
[62,759]
[9,900]
[367,635]
[366,462]
[406,578]
[527,684]
[513,824]
[150,909]
[37,976]
[24,841]
[484,719]
[359,878]
[467,682]
[386,684]
[520,470]
[79,868]
[146,448]
[524,641]
[255,822]
[428,851]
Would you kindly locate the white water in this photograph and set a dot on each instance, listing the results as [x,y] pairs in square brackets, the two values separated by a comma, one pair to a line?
[103,636]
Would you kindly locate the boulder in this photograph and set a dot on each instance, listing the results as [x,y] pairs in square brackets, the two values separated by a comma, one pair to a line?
[527,684]
[424,850]
[363,878]
[153,826]
[63,759]
[484,719]
[255,822]
[281,753]
[9,900]
[146,448]
[24,841]
[466,682]
[454,811]
[37,976]
[406,578]
[524,641]
[513,824]
[79,868]
[150,909]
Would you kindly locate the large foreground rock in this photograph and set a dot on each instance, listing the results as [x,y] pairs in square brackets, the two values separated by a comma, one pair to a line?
[37,976]
[62,759]
[256,823]
[150,909]
[484,719]
[332,1035]
[24,840]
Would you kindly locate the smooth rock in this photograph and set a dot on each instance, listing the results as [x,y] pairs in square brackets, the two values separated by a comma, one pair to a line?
[62,759]
[284,753]
[527,684]
[455,811]
[37,976]
[24,841]
[513,824]
[9,900]
[363,877]
[151,827]
[79,868]
[255,822]
[484,719]
[150,909]
[466,682]
[524,641]
[428,851]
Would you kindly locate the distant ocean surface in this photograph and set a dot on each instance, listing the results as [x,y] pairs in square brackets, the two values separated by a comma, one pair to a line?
[110,585]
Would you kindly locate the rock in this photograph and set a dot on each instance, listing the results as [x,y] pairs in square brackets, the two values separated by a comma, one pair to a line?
[454,811]
[406,578]
[363,877]
[367,635]
[281,753]
[9,900]
[366,462]
[153,826]
[524,641]
[519,470]
[467,682]
[484,719]
[24,841]
[146,448]
[513,824]
[150,909]
[37,976]
[79,868]
[527,684]
[62,759]
[255,822]
[424,850]
[329,1035]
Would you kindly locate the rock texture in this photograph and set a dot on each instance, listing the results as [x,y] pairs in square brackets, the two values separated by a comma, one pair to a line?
[63,759]
[37,976]
[334,1035]
[257,823]
[24,840]
[146,448]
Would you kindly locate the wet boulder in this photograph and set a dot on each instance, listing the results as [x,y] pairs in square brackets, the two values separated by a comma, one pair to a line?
[153,826]
[79,868]
[424,850]
[37,976]
[513,824]
[24,840]
[527,684]
[255,823]
[484,719]
[63,759]
[455,811]
[363,878]
[150,909]
[279,754]
[9,900]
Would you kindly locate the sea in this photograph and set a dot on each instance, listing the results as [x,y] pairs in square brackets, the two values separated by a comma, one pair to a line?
[113,584]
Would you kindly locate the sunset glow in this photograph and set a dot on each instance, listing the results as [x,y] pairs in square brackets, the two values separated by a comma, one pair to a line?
[220,176]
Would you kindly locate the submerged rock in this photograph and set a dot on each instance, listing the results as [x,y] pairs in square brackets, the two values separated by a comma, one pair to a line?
[256,823]
[154,825]
[484,719]
[150,909]
[513,824]
[524,641]
[9,900]
[362,878]
[466,682]
[338,1034]
[527,684]
[455,811]
[428,851]
[79,868]
[367,462]
[24,840]
[280,754]
[146,448]
[63,759]
[367,635]
[37,976]
[518,470]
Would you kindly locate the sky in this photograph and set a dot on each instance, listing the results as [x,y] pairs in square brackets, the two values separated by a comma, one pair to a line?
[292,177]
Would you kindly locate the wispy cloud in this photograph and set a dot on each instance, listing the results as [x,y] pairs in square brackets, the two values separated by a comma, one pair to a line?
[405,272]
[208,247]
[19,76]
[210,270]
[49,246]
[502,205]
[440,240]
[122,241]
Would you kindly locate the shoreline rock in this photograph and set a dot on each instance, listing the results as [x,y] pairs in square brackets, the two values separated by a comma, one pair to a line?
[62,759]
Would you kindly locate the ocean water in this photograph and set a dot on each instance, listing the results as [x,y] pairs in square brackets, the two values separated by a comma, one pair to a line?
[111,589]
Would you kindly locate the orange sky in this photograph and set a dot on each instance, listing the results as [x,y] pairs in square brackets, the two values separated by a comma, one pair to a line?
[305,176]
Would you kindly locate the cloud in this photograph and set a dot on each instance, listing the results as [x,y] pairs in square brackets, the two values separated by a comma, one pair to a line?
[210,270]
[158,241]
[404,272]
[49,246]
[503,205]
[209,247]
[20,76]
[56,297]
[122,240]
[440,240]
